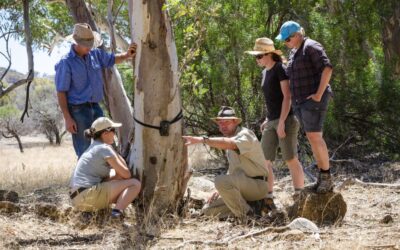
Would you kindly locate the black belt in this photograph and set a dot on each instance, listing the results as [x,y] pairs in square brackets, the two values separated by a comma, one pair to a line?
[84,104]
[76,192]
[264,178]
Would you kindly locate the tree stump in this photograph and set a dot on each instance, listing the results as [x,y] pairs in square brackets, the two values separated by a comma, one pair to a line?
[8,195]
[322,209]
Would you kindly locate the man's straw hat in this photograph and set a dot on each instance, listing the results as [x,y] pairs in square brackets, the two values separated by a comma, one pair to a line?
[226,113]
[85,36]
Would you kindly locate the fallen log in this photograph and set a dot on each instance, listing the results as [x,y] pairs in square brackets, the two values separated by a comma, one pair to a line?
[352,181]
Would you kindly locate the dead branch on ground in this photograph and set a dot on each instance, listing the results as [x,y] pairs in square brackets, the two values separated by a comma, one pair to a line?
[352,181]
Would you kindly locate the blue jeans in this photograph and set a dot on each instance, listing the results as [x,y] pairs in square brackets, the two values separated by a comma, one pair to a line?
[84,115]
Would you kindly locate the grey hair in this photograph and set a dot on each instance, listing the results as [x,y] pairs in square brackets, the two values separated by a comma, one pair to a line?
[302,32]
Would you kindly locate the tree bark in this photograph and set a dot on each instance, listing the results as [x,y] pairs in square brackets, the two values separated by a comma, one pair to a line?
[117,101]
[28,36]
[391,38]
[14,134]
[160,160]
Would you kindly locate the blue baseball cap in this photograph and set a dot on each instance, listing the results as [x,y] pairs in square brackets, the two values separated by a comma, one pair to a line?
[287,29]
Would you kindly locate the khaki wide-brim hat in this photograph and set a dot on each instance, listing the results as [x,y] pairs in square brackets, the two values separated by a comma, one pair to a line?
[262,46]
[85,36]
[103,123]
[226,113]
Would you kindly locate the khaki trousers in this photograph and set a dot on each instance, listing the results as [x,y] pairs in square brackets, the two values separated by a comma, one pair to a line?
[94,198]
[235,190]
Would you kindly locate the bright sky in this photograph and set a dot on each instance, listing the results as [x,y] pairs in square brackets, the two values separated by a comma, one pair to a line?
[43,63]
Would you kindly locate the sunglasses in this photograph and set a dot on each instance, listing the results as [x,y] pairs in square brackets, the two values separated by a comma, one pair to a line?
[110,129]
[289,38]
[258,57]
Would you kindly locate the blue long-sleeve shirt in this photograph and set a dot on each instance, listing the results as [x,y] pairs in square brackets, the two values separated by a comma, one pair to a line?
[81,78]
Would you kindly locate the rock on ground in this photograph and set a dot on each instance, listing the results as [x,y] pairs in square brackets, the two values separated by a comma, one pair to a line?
[323,209]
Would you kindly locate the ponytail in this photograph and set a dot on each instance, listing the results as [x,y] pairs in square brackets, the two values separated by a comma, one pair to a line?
[90,134]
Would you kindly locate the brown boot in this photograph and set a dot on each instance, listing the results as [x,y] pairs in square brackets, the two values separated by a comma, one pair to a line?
[326,183]
[269,206]
[297,195]
[314,186]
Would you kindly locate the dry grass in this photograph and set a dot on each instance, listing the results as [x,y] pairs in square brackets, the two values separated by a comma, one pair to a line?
[47,166]
[41,165]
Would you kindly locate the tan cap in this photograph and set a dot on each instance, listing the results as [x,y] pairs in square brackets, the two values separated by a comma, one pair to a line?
[103,123]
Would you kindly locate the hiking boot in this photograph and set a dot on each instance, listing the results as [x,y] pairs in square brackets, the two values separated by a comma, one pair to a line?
[257,207]
[314,186]
[269,206]
[326,183]
[297,195]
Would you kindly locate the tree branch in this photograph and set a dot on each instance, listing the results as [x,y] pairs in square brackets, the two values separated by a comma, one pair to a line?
[352,181]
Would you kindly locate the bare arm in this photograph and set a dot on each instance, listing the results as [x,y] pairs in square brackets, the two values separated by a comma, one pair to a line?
[130,53]
[70,123]
[216,142]
[120,167]
[286,102]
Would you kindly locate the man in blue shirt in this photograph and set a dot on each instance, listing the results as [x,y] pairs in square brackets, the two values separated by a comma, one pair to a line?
[79,82]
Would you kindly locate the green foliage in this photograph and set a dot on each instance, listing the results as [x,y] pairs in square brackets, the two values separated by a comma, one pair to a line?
[212,35]
[46,20]
[8,112]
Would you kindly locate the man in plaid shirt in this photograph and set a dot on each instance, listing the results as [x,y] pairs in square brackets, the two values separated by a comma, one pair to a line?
[309,71]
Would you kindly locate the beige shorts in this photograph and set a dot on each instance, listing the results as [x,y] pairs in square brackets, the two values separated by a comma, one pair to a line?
[288,145]
[94,198]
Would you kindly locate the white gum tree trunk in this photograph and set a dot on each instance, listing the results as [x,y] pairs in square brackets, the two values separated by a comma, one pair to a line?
[160,160]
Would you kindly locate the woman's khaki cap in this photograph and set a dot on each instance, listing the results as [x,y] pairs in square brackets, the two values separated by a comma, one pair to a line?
[262,46]
[85,36]
[103,123]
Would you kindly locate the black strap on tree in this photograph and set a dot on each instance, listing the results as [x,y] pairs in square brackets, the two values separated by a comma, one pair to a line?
[164,125]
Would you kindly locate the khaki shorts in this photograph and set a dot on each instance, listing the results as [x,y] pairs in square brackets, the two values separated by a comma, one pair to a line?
[94,198]
[288,145]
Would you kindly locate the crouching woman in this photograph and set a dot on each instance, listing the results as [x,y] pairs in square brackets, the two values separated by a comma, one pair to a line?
[93,185]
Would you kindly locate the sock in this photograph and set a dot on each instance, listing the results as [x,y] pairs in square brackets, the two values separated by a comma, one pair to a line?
[116,211]
[270,195]
[325,171]
[298,190]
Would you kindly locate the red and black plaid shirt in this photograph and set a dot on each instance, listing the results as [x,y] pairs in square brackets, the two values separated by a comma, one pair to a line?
[304,69]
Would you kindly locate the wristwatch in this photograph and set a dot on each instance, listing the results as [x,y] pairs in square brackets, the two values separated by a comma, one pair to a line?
[205,139]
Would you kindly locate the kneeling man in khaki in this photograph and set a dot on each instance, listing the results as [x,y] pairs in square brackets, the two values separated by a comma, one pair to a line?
[247,176]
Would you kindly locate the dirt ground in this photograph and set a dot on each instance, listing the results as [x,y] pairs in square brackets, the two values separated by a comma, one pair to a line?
[372,220]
